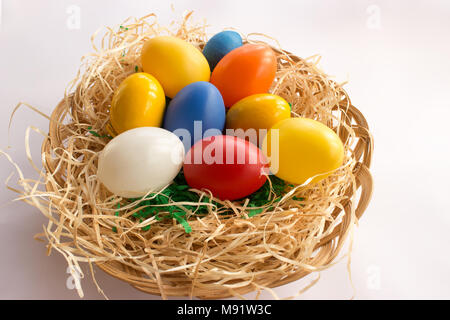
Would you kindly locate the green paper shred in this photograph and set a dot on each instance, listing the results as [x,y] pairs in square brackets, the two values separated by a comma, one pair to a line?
[114,229]
[178,191]
[183,222]
[162,206]
[95,134]
[136,69]
[254,212]
[260,199]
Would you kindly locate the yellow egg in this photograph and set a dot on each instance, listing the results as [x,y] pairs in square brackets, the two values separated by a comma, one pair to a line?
[139,101]
[258,111]
[301,148]
[174,62]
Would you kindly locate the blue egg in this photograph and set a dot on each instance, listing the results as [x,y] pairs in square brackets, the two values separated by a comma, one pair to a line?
[197,111]
[219,45]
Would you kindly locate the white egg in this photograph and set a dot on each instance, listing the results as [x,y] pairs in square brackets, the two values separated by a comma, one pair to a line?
[140,160]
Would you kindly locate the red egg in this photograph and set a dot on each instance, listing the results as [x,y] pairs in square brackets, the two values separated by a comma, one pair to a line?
[230,167]
[244,71]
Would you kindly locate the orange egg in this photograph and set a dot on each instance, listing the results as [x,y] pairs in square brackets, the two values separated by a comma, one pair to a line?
[244,71]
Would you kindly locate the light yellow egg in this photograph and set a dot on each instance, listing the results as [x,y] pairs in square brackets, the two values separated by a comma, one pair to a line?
[174,62]
[301,148]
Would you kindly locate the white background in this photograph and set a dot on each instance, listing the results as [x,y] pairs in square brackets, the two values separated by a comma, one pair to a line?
[395,55]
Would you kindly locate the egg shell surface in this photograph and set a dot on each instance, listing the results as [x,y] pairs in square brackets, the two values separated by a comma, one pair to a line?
[302,148]
[140,160]
[174,62]
[256,114]
[196,112]
[244,71]
[138,101]
[221,44]
[230,167]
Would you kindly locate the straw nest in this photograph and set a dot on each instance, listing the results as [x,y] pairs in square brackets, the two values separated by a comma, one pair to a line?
[228,252]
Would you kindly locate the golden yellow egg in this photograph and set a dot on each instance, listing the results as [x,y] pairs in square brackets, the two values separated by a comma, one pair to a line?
[258,111]
[139,101]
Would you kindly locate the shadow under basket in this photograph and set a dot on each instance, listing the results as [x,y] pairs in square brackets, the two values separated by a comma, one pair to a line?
[167,261]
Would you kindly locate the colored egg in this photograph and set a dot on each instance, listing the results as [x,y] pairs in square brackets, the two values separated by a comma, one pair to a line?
[301,148]
[219,45]
[139,101]
[247,70]
[140,160]
[197,111]
[229,167]
[255,115]
[174,62]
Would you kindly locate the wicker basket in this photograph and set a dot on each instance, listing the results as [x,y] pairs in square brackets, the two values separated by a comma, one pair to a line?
[177,283]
